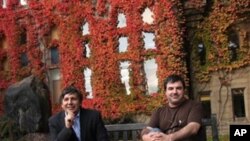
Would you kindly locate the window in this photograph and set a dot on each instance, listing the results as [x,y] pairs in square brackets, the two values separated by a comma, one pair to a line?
[24,60]
[23,37]
[148,39]
[85,29]
[2,40]
[123,44]
[23,2]
[54,55]
[202,53]
[4,64]
[150,68]
[86,51]
[238,102]
[55,84]
[233,44]
[4,3]
[147,16]
[124,70]
[87,77]
[3,58]
[121,20]
[233,51]
[54,33]
[206,103]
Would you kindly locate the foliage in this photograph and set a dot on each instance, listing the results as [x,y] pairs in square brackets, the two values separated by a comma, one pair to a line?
[213,32]
[225,18]
[39,19]
[1,105]
[10,131]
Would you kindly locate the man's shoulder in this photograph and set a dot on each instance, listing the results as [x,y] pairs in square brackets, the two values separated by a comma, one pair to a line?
[192,105]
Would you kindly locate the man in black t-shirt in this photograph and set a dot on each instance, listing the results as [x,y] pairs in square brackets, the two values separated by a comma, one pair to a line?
[179,119]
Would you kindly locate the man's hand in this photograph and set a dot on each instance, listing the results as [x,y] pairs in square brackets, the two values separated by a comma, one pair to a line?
[157,136]
[165,137]
[69,119]
[152,136]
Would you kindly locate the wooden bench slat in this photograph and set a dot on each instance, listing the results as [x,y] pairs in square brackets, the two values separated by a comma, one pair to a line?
[134,135]
[116,135]
[125,135]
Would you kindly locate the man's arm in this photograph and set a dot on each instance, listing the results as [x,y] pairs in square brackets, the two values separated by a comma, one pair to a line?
[190,129]
[146,134]
[150,134]
[193,123]
[63,135]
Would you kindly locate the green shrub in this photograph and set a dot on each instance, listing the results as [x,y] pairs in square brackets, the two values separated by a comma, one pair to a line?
[10,130]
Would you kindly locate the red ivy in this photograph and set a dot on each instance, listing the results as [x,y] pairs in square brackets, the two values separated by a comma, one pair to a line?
[68,17]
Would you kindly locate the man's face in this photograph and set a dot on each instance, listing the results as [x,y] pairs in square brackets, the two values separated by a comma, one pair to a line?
[71,103]
[174,93]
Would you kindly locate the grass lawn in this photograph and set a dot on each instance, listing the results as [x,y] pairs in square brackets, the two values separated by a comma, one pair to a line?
[221,138]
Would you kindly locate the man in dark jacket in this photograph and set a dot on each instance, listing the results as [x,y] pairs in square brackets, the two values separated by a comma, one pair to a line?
[75,123]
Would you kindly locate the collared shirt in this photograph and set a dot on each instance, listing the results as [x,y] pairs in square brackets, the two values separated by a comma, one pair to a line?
[76,126]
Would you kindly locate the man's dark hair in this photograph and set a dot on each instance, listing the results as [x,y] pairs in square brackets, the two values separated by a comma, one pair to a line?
[173,78]
[73,90]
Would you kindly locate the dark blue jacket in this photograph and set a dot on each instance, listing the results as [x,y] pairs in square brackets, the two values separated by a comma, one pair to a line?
[91,124]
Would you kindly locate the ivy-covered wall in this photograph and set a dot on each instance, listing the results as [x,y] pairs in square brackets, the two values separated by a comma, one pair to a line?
[38,18]
[214,32]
